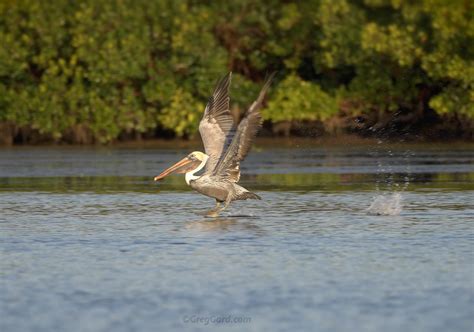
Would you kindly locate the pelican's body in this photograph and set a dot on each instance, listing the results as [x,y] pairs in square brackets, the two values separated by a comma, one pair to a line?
[226,145]
[221,190]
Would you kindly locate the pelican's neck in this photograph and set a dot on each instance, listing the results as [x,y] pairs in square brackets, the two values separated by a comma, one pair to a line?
[190,175]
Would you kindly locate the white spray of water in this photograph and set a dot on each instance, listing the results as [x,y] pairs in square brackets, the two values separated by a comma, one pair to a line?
[386,205]
[392,179]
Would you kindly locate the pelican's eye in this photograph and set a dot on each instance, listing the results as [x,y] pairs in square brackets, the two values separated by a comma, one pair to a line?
[192,157]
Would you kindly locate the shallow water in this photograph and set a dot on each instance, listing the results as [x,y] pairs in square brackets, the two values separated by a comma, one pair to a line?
[89,243]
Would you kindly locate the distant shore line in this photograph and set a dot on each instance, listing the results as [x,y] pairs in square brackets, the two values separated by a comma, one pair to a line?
[350,132]
[277,141]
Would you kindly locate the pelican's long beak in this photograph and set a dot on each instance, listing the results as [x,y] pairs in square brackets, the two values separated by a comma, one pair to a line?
[182,166]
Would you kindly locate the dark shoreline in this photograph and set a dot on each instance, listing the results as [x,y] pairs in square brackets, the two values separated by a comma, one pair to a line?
[283,142]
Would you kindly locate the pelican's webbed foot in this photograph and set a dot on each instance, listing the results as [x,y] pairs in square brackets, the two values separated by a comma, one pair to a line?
[213,213]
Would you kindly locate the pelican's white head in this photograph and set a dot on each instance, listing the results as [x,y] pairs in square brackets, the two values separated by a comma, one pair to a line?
[197,155]
[191,164]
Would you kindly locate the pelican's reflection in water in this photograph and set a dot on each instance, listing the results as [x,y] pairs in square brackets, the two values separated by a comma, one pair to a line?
[224,224]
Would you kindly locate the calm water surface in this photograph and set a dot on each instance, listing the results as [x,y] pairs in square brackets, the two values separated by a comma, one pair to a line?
[89,243]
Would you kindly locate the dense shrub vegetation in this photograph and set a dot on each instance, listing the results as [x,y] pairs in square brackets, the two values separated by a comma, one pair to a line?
[96,71]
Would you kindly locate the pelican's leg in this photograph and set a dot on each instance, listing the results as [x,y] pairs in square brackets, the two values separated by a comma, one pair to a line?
[226,203]
[215,211]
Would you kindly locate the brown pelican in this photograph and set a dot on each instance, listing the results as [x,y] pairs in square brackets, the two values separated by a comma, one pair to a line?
[226,145]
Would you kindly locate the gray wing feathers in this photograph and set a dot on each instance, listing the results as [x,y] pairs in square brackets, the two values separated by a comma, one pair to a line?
[229,164]
[217,122]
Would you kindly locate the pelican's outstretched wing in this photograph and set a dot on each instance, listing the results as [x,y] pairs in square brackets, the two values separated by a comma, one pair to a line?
[229,164]
[217,122]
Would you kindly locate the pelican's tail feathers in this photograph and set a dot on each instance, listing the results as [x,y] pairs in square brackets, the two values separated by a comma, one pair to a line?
[249,195]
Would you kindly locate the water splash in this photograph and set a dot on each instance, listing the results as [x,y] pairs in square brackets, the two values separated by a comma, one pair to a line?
[390,182]
[386,205]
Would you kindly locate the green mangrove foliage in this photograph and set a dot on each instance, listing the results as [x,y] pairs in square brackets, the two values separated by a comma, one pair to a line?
[306,100]
[97,71]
